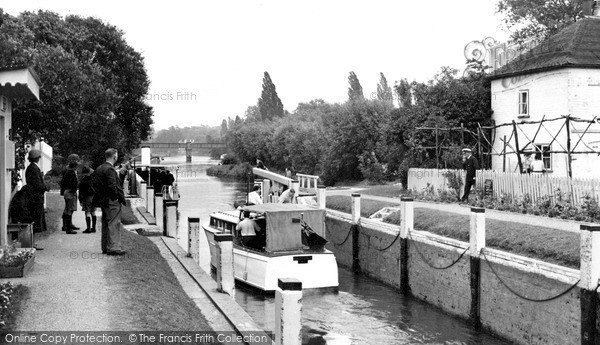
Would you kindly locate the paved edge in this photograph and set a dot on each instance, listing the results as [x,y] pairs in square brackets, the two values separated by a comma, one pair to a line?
[233,312]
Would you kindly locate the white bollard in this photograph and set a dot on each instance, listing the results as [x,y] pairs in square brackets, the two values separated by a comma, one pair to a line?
[150,200]
[288,312]
[321,197]
[264,191]
[355,208]
[143,191]
[296,187]
[477,231]
[194,238]
[225,279]
[590,256]
[158,209]
[145,155]
[170,218]
[407,223]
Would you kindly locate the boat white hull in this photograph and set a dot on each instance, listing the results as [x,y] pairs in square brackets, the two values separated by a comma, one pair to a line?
[314,270]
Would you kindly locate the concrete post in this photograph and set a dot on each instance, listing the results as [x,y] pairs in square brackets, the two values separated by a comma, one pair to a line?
[476,244]
[407,222]
[194,238]
[296,187]
[145,155]
[143,191]
[477,231]
[321,197]
[590,276]
[355,232]
[225,278]
[355,208]
[264,190]
[132,183]
[150,200]
[158,209]
[288,312]
[170,218]
[188,152]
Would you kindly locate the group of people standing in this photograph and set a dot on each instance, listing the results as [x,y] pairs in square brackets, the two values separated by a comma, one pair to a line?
[101,188]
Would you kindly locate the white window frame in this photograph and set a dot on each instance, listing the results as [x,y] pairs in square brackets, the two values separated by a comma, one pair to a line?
[544,150]
[523,107]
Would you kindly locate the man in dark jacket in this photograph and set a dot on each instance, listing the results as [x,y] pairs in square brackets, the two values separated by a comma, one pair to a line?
[35,179]
[110,197]
[68,189]
[471,165]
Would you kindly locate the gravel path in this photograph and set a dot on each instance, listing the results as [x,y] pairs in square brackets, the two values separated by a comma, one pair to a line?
[67,289]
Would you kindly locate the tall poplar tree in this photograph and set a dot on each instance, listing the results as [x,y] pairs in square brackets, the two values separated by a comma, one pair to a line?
[384,91]
[355,91]
[269,104]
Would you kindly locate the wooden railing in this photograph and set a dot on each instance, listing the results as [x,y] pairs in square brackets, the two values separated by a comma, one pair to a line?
[309,182]
[537,186]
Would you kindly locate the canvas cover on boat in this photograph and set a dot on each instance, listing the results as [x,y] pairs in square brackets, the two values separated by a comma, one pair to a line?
[284,230]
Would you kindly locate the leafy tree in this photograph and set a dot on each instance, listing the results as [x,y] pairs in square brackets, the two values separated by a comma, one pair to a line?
[92,83]
[384,91]
[538,18]
[223,128]
[403,90]
[269,104]
[355,91]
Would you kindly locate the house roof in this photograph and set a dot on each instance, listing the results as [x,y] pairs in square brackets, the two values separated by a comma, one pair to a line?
[577,46]
[19,82]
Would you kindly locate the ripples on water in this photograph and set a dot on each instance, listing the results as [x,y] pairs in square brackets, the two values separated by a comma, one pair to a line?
[363,312]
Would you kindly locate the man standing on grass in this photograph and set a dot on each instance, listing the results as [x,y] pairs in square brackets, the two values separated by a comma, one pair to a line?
[471,165]
[110,197]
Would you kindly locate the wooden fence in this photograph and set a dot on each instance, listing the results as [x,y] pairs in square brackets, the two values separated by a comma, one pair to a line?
[516,185]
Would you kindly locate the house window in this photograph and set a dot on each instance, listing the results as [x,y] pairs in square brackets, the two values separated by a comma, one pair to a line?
[3,102]
[524,103]
[544,151]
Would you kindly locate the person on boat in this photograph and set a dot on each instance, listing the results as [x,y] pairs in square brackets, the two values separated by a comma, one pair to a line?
[287,197]
[254,197]
[248,230]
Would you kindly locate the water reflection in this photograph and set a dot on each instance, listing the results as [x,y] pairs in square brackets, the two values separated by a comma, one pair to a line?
[363,312]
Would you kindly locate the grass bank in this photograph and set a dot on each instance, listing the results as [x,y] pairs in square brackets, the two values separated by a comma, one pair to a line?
[547,244]
[238,171]
[151,297]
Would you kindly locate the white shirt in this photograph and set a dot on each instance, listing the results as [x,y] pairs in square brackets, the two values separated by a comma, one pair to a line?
[286,197]
[254,198]
[248,227]
[537,166]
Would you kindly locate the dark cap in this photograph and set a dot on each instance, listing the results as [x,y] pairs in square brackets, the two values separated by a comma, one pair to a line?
[73,158]
[35,153]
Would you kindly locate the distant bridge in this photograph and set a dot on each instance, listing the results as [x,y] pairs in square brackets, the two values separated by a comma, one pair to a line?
[188,146]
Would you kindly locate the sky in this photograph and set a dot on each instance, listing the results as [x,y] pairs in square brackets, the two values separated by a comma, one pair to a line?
[206,59]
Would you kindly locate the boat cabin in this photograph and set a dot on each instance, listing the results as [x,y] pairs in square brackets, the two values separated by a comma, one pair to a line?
[282,225]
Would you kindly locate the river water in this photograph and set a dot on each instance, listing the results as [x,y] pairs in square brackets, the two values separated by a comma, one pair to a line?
[363,312]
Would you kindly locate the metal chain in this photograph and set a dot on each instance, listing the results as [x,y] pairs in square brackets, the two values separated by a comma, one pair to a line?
[427,262]
[390,245]
[347,236]
[521,296]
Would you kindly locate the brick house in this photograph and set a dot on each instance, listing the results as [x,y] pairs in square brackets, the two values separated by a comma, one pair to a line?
[559,77]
